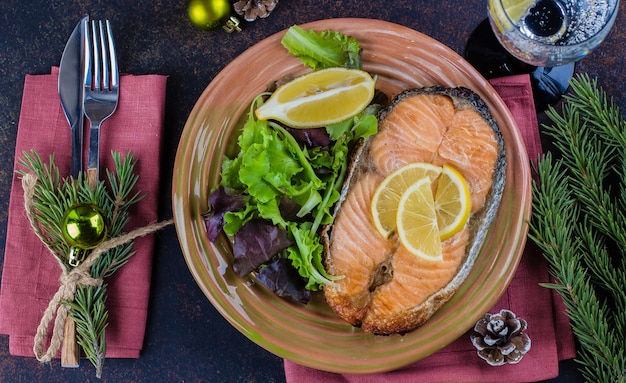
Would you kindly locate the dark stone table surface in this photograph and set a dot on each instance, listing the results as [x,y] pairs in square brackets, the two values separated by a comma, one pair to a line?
[186,339]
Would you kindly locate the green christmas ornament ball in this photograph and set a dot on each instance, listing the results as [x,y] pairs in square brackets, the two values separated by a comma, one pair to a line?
[84,226]
[208,14]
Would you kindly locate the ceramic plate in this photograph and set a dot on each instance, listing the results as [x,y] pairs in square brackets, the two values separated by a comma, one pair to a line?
[313,335]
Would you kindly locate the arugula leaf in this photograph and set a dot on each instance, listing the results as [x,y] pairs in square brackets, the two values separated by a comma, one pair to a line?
[325,49]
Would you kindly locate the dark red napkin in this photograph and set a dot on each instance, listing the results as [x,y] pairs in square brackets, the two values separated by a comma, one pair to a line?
[548,326]
[30,273]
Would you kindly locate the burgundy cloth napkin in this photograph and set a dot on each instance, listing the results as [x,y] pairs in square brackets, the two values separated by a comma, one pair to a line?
[30,273]
[548,326]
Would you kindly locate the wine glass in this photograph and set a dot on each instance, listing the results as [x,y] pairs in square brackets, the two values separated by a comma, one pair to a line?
[541,37]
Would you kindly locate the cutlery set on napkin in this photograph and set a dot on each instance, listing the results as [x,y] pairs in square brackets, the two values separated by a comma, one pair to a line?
[86,84]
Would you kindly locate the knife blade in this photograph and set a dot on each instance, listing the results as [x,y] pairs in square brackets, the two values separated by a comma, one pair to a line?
[71,92]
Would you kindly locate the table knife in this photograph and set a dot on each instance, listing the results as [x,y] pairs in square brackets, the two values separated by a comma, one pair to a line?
[71,95]
[71,92]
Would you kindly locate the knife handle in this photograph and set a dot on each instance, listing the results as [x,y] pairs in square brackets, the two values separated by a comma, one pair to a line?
[70,353]
[93,157]
[92,177]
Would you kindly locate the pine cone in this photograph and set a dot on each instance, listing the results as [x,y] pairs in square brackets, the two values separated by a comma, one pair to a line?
[253,9]
[499,338]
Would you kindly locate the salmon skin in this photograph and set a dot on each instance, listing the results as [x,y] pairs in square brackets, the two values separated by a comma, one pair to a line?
[383,288]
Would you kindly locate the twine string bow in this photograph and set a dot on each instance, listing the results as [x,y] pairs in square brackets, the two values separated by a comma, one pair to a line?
[70,279]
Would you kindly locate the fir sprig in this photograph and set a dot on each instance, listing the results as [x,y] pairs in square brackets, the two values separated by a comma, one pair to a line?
[578,222]
[91,316]
[53,196]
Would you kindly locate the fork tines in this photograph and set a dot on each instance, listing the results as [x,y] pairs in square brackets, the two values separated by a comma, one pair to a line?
[101,86]
[100,51]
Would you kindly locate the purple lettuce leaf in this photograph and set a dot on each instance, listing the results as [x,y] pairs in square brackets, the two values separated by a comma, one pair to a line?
[311,137]
[256,243]
[289,209]
[283,279]
[221,203]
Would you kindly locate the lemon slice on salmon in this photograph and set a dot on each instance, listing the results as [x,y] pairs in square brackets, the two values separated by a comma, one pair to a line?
[452,199]
[453,202]
[417,221]
[384,206]
[319,98]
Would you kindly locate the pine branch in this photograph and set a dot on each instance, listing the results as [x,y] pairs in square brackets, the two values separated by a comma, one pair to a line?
[599,110]
[578,223]
[605,121]
[91,316]
[122,183]
[551,229]
[52,198]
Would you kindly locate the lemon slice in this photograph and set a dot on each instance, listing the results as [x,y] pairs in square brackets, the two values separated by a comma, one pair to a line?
[516,9]
[417,222]
[453,202]
[384,206]
[319,98]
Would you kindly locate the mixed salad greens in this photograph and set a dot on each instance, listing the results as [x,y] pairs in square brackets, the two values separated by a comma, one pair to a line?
[279,190]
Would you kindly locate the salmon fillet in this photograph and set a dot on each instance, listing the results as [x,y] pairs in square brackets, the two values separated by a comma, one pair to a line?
[414,281]
[429,128]
[412,133]
[383,287]
[360,253]
[471,147]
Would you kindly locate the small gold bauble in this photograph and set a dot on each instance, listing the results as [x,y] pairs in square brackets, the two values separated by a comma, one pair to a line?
[84,226]
[208,14]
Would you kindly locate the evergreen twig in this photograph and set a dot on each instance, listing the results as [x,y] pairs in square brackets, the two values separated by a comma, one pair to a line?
[578,222]
[52,198]
[91,316]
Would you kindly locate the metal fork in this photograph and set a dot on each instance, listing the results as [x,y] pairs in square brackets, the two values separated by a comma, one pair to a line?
[101,82]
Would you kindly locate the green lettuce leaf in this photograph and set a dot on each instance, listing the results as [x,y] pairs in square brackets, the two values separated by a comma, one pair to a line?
[320,50]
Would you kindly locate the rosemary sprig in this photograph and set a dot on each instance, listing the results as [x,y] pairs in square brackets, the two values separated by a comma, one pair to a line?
[578,222]
[53,196]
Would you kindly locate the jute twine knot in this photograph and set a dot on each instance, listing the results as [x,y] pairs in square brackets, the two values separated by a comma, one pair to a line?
[69,279]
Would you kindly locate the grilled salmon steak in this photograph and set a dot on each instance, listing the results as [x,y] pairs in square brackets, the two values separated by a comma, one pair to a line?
[383,287]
